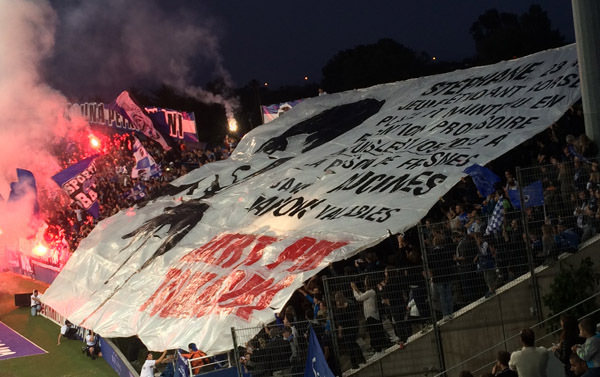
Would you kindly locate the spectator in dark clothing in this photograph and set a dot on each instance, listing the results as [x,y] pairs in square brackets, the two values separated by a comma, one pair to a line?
[279,351]
[501,368]
[258,365]
[566,240]
[346,319]
[441,267]
[417,295]
[569,336]
[370,264]
[466,250]
[486,263]
[392,294]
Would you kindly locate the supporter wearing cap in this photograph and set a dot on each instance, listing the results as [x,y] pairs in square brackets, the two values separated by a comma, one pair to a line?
[197,358]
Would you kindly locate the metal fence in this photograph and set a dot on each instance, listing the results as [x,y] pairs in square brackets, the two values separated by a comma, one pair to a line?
[377,312]
[460,263]
[569,214]
[280,349]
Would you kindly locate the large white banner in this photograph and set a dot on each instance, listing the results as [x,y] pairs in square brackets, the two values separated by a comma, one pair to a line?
[232,242]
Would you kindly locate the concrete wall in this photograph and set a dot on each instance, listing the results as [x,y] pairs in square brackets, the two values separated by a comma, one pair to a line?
[484,324]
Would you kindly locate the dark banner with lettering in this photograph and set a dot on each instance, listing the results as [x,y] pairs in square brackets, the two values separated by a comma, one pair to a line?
[79,182]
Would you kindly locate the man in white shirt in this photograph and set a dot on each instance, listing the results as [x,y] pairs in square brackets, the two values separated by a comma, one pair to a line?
[92,348]
[36,303]
[530,361]
[148,367]
[68,330]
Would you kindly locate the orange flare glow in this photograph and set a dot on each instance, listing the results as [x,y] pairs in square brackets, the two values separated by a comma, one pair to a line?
[40,250]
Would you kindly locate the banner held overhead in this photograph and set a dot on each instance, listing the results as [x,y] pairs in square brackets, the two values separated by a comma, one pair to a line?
[313,187]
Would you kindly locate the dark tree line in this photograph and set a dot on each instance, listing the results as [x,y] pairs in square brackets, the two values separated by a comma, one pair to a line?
[497,36]
[501,36]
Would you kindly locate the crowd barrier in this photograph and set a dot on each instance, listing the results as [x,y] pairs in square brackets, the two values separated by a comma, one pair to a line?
[458,264]
[456,267]
[211,365]
[278,349]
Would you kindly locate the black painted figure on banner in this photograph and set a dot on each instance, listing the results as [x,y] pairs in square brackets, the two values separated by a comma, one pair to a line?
[213,188]
[180,220]
[326,126]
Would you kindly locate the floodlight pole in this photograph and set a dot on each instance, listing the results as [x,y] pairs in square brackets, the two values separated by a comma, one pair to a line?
[586,19]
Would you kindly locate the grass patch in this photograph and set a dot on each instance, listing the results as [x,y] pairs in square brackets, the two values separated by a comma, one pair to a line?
[65,360]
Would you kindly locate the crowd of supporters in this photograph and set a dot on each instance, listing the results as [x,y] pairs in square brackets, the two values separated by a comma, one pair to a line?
[68,224]
[470,246]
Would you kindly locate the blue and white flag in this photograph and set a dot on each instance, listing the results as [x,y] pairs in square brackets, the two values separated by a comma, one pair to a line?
[273,112]
[497,220]
[316,365]
[533,196]
[24,187]
[483,178]
[79,182]
[145,166]
[138,192]
[140,121]
[177,124]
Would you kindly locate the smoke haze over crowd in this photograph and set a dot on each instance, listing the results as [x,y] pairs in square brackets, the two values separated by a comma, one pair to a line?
[105,47]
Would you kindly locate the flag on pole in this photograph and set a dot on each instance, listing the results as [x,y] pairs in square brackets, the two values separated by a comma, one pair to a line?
[533,196]
[483,178]
[127,107]
[272,112]
[145,166]
[79,182]
[316,365]
[137,192]
[497,220]
[24,187]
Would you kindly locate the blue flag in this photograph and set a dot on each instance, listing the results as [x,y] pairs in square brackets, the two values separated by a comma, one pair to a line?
[24,186]
[79,182]
[138,192]
[316,365]
[533,195]
[145,166]
[138,118]
[483,178]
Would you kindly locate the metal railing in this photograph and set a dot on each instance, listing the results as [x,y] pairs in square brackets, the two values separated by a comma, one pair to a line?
[280,348]
[458,264]
[376,311]
[540,340]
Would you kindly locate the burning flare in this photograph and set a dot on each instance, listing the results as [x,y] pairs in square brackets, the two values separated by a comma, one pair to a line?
[40,250]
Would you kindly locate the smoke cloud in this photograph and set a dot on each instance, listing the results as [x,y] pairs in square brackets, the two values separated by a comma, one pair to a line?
[90,51]
[32,112]
[105,47]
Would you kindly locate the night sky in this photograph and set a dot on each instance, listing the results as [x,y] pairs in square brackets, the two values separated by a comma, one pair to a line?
[281,42]
[105,47]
